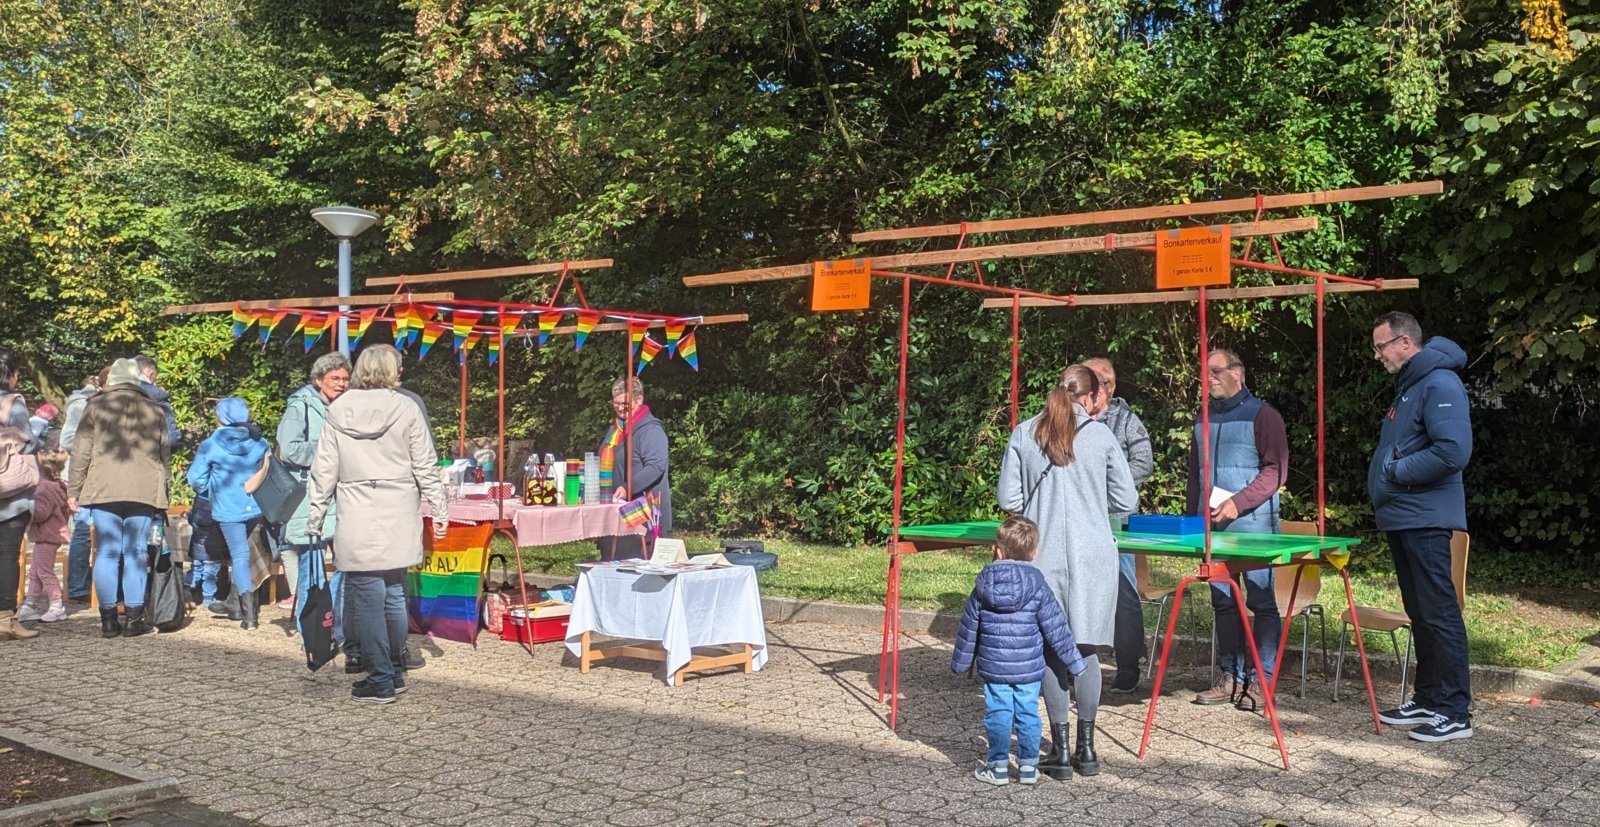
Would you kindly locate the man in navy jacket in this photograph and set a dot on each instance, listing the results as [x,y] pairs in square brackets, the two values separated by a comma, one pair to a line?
[1414,481]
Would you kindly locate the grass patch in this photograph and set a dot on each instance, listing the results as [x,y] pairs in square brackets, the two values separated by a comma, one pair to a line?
[1507,624]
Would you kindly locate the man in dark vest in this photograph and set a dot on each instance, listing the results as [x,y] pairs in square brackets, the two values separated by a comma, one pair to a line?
[1249,463]
[1414,481]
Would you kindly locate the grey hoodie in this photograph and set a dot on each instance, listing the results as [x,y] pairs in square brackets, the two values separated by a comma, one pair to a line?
[377,458]
[77,401]
[1132,436]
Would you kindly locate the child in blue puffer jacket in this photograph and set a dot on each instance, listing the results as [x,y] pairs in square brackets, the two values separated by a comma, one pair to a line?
[1009,620]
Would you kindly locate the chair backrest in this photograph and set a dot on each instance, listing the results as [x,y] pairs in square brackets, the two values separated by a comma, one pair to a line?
[1310,573]
[1304,528]
[1460,545]
[1141,574]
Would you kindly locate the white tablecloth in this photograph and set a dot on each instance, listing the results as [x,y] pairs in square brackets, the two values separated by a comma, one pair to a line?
[682,611]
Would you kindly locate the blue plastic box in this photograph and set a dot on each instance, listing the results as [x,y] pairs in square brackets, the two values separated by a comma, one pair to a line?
[1166,524]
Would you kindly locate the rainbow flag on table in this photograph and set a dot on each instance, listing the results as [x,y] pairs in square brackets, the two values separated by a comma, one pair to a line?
[442,594]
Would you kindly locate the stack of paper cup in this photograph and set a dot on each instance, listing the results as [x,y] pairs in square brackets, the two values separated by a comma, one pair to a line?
[591,478]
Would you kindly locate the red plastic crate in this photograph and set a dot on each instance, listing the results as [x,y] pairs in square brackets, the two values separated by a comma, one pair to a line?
[534,630]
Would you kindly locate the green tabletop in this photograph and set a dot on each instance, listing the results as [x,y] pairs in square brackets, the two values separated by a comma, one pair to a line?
[1265,548]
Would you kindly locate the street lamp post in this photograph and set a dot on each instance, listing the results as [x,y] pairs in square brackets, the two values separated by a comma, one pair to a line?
[345,223]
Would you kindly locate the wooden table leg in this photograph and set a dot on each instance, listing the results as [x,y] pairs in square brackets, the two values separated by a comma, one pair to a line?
[749,659]
[584,652]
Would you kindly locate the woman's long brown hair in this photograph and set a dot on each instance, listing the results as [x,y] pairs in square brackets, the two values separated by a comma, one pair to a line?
[1058,427]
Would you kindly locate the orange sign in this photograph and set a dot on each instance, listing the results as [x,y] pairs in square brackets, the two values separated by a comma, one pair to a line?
[1193,257]
[841,285]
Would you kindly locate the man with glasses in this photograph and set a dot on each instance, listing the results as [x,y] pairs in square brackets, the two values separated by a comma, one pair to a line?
[1418,500]
[1249,452]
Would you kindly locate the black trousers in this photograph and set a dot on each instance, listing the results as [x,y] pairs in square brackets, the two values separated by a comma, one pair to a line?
[1422,565]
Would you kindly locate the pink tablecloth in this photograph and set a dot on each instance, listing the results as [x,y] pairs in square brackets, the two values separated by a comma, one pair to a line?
[545,525]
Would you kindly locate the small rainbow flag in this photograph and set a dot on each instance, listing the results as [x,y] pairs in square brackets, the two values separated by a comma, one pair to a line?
[461,322]
[509,320]
[242,320]
[493,341]
[467,345]
[431,332]
[401,324]
[548,322]
[354,332]
[647,353]
[686,349]
[587,319]
[674,333]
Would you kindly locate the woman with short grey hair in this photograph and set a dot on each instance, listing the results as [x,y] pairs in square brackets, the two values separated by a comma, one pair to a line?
[298,432]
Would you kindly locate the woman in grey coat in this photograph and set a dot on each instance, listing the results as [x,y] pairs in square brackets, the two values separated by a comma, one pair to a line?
[1066,472]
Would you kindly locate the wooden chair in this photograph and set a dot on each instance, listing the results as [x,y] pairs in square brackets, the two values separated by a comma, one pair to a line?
[1391,622]
[1305,600]
[1158,596]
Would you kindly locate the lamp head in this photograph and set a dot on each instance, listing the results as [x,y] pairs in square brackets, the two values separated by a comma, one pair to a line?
[344,222]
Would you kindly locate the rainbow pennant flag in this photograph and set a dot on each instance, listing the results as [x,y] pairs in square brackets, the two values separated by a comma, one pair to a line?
[313,325]
[467,345]
[587,319]
[686,349]
[354,332]
[674,333]
[242,320]
[431,332]
[636,331]
[647,353]
[442,594]
[401,324]
[548,322]
[461,323]
[509,320]
[493,342]
[265,325]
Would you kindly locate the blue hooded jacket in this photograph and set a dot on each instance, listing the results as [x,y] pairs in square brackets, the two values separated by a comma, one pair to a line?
[222,464]
[1009,620]
[1414,479]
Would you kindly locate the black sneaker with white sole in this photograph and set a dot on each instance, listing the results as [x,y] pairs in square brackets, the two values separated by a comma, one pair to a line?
[366,693]
[1442,728]
[1409,713]
[363,684]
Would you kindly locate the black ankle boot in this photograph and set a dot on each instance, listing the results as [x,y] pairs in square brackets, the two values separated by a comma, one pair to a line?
[136,625]
[1084,759]
[110,626]
[248,609]
[1056,763]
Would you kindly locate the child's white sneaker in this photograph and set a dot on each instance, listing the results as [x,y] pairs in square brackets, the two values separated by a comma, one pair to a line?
[996,774]
[57,613]
[1027,774]
[28,613]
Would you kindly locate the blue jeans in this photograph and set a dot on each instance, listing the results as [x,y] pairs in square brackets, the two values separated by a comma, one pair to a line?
[1005,705]
[1268,626]
[1422,565]
[237,537]
[121,531]
[79,580]
[376,619]
[203,575]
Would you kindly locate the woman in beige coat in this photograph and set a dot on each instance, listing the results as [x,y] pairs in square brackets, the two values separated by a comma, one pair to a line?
[376,458]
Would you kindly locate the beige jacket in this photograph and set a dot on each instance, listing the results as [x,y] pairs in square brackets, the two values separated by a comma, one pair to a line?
[376,459]
[121,452]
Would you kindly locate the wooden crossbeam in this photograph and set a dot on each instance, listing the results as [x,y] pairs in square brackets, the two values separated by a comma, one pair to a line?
[315,302]
[1047,222]
[1218,294]
[491,273]
[1061,246]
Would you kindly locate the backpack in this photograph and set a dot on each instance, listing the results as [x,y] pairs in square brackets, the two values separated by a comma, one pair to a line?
[19,471]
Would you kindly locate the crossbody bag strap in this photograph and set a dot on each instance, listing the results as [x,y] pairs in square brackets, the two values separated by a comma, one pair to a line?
[1035,489]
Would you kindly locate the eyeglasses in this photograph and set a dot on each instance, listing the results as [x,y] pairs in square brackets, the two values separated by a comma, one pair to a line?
[1218,371]
[1378,348]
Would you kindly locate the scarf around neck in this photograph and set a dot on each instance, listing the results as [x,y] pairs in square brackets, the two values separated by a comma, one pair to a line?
[608,451]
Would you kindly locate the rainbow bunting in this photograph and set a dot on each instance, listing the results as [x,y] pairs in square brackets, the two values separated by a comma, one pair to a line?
[354,332]
[636,330]
[265,324]
[674,333]
[420,316]
[686,349]
[461,322]
[648,350]
[587,319]
[548,321]
[242,320]
[401,324]
[467,345]
[431,332]
[313,325]
[493,342]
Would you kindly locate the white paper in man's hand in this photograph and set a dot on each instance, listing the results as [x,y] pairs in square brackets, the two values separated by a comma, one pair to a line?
[1220,496]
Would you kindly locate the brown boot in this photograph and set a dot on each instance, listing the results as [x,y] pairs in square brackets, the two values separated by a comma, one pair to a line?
[1223,691]
[12,629]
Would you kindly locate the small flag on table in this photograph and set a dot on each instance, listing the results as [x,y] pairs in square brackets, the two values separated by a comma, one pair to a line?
[587,319]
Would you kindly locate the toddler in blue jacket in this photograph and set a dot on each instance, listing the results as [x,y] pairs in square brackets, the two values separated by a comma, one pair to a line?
[1009,620]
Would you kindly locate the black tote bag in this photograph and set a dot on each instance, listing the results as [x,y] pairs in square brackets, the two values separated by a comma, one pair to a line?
[164,602]
[314,615]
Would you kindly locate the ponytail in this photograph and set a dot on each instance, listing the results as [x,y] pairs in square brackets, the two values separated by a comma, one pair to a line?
[1058,426]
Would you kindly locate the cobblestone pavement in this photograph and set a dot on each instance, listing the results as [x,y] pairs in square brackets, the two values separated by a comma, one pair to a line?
[494,736]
